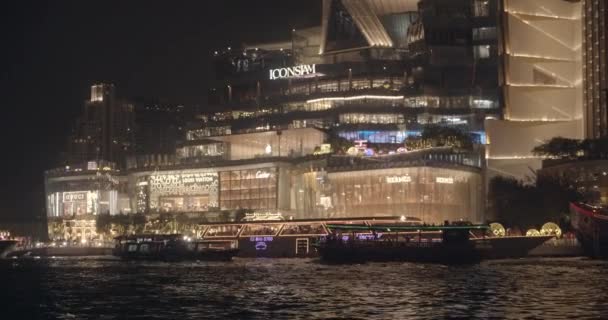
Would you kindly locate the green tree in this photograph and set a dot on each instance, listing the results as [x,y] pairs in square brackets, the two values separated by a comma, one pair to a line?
[595,148]
[338,144]
[516,204]
[559,147]
[510,201]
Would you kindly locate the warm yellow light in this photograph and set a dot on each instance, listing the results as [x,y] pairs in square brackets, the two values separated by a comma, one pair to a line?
[532,233]
[355,98]
[551,229]
[541,15]
[515,157]
[497,229]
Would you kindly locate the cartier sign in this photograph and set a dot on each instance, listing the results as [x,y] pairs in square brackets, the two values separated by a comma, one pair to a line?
[262,175]
[293,72]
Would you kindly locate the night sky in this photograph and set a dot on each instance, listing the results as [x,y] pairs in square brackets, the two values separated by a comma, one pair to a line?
[52,51]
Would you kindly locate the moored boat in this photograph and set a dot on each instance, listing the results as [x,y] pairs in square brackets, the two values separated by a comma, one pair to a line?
[448,244]
[435,244]
[509,246]
[172,247]
[591,228]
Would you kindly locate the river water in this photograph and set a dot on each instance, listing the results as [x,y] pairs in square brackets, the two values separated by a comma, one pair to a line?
[103,288]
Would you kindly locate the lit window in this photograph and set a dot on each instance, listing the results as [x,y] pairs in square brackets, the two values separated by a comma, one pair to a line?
[484,33]
[481,52]
[481,8]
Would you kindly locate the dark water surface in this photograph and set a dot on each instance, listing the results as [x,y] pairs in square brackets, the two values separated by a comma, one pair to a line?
[100,288]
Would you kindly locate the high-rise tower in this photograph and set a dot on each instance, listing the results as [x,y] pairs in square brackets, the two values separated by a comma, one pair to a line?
[595,68]
[105,131]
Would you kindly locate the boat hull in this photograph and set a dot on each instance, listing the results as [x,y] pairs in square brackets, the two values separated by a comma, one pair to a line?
[445,254]
[591,230]
[508,247]
[473,251]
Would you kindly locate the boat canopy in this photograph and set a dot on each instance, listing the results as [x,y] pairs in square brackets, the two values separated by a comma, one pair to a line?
[389,228]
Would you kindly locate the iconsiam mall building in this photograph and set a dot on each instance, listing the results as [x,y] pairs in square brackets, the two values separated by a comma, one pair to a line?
[331,122]
[542,83]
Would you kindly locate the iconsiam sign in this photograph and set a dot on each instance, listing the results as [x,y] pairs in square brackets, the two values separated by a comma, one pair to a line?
[293,72]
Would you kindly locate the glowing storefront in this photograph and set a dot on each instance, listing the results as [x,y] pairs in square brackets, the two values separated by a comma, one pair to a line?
[433,194]
[81,193]
[183,191]
[263,143]
[255,186]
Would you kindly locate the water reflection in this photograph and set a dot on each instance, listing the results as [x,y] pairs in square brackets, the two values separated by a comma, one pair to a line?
[94,288]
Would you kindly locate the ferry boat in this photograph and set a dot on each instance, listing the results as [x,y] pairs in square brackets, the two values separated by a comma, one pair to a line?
[299,238]
[449,244]
[287,238]
[5,246]
[171,247]
[591,228]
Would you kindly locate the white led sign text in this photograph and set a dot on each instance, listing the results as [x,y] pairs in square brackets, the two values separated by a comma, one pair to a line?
[444,180]
[293,72]
[398,179]
[262,175]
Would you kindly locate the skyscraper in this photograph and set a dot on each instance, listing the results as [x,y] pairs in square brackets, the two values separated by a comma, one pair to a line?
[595,94]
[105,131]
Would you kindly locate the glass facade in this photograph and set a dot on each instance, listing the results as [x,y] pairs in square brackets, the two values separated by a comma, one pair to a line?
[83,195]
[487,33]
[248,189]
[343,85]
[204,150]
[183,191]
[481,8]
[207,132]
[431,194]
[377,136]
[373,118]
[73,203]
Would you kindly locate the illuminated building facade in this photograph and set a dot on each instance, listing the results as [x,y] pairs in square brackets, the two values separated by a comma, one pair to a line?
[376,71]
[84,190]
[431,190]
[373,72]
[255,186]
[541,80]
[595,67]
